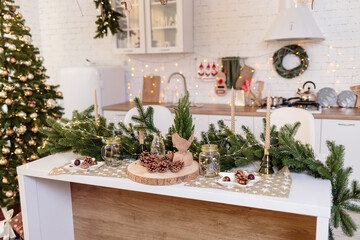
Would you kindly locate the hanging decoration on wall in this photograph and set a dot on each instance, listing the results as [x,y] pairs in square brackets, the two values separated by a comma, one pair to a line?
[296,50]
[207,70]
[220,86]
[107,20]
[231,66]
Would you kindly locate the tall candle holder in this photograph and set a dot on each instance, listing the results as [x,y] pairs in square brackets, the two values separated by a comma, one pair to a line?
[266,167]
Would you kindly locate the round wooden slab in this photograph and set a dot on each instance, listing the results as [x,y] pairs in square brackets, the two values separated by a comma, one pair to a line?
[139,174]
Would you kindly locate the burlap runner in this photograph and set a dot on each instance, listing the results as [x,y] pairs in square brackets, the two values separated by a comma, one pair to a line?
[277,186]
[104,171]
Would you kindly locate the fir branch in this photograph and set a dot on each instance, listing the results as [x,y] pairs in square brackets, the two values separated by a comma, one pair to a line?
[183,123]
[145,119]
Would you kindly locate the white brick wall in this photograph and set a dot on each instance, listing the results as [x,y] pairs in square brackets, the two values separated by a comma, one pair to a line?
[221,28]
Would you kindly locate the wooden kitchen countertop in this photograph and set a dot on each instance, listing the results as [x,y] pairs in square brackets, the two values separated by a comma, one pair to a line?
[224,109]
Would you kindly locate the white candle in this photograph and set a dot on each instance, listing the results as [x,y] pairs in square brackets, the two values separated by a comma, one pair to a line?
[96,107]
[232,110]
[268,113]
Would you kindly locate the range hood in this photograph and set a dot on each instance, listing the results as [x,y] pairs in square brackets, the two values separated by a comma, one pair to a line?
[294,22]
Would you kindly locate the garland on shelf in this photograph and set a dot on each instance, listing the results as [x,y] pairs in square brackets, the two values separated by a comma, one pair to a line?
[298,51]
[107,20]
[83,136]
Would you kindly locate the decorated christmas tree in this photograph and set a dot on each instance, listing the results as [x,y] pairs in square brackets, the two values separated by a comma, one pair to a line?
[25,100]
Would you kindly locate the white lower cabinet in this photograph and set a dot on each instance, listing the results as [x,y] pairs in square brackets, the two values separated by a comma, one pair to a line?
[201,123]
[239,122]
[343,132]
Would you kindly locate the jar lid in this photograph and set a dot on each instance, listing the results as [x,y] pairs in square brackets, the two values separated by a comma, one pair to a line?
[206,147]
[112,140]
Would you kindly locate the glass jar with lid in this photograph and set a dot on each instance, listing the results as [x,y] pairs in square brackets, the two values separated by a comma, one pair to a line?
[209,160]
[111,152]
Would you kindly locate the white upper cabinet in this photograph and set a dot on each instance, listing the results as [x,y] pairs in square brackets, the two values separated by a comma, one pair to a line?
[155,28]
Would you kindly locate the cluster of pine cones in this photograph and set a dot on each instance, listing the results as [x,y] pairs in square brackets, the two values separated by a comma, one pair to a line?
[155,164]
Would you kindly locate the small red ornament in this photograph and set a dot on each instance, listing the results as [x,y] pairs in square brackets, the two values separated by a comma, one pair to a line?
[247,82]
[245,88]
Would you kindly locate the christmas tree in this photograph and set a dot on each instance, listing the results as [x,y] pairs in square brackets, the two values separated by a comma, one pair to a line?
[25,100]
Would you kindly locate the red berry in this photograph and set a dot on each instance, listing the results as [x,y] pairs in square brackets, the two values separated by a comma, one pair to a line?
[251,177]
[77,162]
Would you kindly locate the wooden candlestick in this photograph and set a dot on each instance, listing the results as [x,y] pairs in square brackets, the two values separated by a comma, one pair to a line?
[268,113]
[232,110]
[96,113]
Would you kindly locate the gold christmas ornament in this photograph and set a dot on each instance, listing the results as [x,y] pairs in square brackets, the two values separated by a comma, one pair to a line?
[35,129]
[18,140]
[4,180]
[59,94]
[21,130]
[26,28]
[13,9]
[5,150]
[26,39]
[7,30]
[1,50]
[23,78]
[47,88]
[9,132]
[30,76]
[9,194]
[9,87]
[27,63]
[28,92]
[18,151]
[3,161]
[34,157]
[7,17]
[19,16]
[4,73]
[8,101]
[21,114]
[33,115]
[3,94]
[13,60]
[41,58]
[32,142]
[31,104]
[12,47]
[51,103]
[55,115]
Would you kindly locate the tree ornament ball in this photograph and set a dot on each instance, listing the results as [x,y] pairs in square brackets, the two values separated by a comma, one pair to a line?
[9,87]
[26,39]
[22,129]
[9,194]
[33,115]
[26,28]
[41,58]
[51,103]
[1,50]
[4,73]
[3,94]
[28,93]
[35,129]
[32,142]
[7,30]
[23,78]
[30,76]
[59,94]
[21,114]
[4,180]
[34,157]
[18,151]
[5,150]
[47,88]
[19,16]
[9,132]
[3,161]
[13,9]
[31,104]
[8,101]
[7,17]
[18,140]
[13,60]
[12,47]
[27,63]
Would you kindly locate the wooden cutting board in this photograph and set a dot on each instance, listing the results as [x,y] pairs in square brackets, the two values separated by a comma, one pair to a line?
[151,89]
[356,90]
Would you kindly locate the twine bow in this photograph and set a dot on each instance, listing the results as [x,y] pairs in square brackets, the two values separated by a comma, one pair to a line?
[6,231]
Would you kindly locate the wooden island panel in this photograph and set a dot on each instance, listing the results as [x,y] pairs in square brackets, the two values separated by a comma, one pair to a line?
[107,213]
[224,109]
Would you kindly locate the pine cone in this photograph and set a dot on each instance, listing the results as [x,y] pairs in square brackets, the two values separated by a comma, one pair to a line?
[176,166]
[240,174]
[152,167]
[85,165]
[170,155]
[163,166]
[146,158]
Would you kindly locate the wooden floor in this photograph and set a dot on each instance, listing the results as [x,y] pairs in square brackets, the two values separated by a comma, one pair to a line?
[105,213]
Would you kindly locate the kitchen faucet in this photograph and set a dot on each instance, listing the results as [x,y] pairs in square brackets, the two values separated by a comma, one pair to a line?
[177,74]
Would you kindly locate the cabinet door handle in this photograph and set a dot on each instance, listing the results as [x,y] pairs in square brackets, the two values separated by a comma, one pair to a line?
[347,125]
[128,51]
[120,114]
[165,50]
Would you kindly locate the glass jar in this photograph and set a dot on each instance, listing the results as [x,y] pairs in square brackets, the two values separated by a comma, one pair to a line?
[111,152]
[158,145]
[209,160]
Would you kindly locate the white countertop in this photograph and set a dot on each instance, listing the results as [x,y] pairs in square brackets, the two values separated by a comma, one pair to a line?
[308,196]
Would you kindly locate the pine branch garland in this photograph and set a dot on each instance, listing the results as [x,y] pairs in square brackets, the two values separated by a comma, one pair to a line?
[145,119]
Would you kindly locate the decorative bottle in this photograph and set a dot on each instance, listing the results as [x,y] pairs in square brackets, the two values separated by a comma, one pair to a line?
[158,145]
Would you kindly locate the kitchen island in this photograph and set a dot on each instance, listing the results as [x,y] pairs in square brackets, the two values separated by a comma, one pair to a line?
[59,207]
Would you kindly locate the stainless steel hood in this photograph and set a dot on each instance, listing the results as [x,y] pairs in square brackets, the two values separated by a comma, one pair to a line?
[294,22]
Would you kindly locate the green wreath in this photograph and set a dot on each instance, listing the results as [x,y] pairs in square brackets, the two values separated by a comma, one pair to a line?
[297,51]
